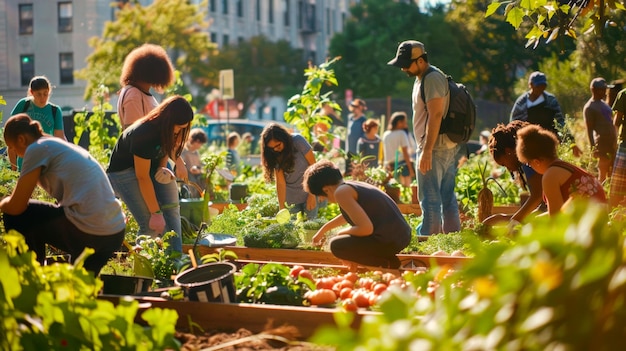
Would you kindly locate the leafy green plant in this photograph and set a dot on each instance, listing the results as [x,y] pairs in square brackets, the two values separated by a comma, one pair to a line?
[165,262]
[55,307]
[304,110]
[270,283]
[219,256]
[275,235]
[562,286]
[101,140]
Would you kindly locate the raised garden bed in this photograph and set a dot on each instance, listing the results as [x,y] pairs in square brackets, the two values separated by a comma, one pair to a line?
[228,317]
[314,257]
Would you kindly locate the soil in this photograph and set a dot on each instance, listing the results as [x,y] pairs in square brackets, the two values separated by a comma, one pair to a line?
[283,338]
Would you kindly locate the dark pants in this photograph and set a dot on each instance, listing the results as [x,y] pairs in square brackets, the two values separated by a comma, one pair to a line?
[45,223]
[365,250]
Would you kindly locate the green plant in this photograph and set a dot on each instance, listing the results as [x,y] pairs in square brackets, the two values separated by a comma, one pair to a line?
[55,307]
[165,262]
[275,235]
[562,286]
[101,140]
[304,110]
[272,284]
[219,256]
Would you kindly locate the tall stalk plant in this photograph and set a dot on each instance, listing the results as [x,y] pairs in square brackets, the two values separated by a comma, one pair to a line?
[304,110]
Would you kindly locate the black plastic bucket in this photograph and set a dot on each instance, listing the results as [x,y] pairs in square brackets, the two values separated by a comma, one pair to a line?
[124,284]
[211,282]
[238,191]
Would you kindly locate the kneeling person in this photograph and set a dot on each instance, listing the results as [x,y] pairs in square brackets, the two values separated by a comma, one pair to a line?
[87,214]
[377,231]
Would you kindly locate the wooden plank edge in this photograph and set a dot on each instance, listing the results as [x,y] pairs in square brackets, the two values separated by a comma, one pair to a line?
[228,317]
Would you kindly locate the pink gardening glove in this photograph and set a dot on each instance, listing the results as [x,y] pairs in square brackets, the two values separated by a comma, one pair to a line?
[157,222]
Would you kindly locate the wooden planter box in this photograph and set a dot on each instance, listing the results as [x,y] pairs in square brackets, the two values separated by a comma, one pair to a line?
[254,317]
[313,258]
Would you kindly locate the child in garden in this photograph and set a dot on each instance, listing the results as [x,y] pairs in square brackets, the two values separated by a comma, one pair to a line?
[138,172]
[369,143]
[561,181]
[193,162]
[377,229]
[502,142]
[86,213]
[38,107]
[284,158]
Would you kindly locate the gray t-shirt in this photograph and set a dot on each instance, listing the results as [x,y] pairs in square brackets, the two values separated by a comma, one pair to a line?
[78,183]
[295,191]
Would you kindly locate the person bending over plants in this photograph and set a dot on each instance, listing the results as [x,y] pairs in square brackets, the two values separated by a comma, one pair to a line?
[502,142]
[377,231]
[87,213]
[285,157]
[561,181]
[138,168]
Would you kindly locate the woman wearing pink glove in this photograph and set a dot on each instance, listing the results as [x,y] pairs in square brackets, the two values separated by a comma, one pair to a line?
[138,167]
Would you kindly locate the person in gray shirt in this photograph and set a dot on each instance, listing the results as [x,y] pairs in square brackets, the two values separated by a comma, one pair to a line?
[86,213]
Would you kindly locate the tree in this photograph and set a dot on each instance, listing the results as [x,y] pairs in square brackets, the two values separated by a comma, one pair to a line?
[370,39]
[549,19]
[262,68]
[176,25]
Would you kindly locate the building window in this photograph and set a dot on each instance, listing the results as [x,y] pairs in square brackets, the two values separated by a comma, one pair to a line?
[270,11]
[27,68]
[65,17]
[258,10]
[26,18]
[286,12]
[212,6]
[328,21]
[213,37]
[239,8]
[66,67]
[225,7]
[225,40]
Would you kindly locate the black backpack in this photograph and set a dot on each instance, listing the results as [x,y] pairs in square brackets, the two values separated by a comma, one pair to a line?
[460,120]
[55,109]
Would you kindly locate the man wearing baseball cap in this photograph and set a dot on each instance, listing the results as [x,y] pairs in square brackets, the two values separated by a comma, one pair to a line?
[600,130]
[436,153]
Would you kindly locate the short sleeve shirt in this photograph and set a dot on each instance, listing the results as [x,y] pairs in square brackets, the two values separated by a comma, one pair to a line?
[142,140]
[435,86]
[78,183]
[50,120]
[295,191]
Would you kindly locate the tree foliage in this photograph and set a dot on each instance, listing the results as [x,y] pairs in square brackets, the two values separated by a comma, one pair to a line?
[177,25]
[548,19]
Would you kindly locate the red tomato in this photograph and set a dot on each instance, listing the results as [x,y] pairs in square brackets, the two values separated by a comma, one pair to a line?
[373,299]
[305,273]
[321,297]
[366,283]
[361,299]
[337,288]
[345,293]
[349,305]
[346,284]
[295,271]
[324,283]
[387,277]
[351,276]
[379,288]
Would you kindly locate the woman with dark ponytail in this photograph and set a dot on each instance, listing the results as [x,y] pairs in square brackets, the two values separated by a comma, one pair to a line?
[86,213]
[502,144]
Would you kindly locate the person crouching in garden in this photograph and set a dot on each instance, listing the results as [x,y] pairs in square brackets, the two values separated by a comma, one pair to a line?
[377,231]
[561,181]
[87,214]
[138,168]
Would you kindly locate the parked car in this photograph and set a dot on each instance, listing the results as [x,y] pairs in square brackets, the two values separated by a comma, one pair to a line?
[218,130]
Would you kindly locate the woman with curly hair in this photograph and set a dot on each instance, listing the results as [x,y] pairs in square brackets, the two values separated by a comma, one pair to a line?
[561,181]
[284,158]
[147,66]
[502,142]
[138,167]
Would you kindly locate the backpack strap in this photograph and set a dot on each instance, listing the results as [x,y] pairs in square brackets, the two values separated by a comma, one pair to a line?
[54,108]
[423,96]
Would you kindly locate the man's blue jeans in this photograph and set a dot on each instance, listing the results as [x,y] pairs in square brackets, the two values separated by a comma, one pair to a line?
[440,210]
[126,186]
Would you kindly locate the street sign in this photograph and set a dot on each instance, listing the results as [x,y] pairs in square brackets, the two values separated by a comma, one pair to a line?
[227,84]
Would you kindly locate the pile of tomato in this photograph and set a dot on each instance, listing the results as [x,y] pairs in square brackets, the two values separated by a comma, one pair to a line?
[349,291]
